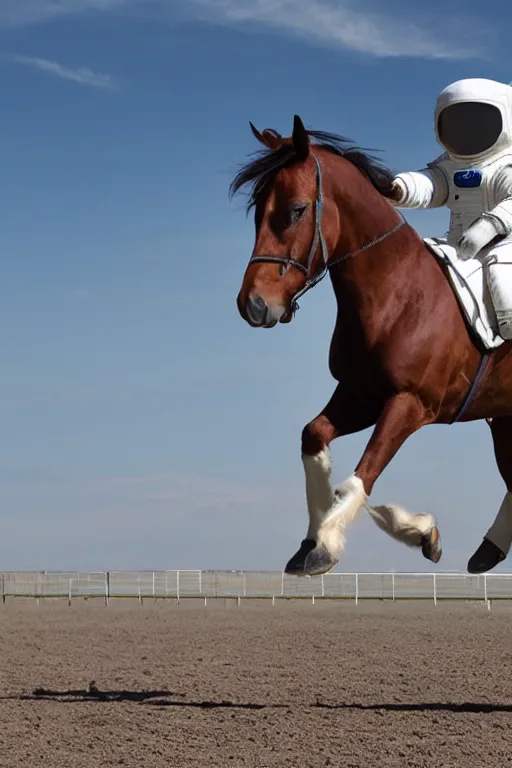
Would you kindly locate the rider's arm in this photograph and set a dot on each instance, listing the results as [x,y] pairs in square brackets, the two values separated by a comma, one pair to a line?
[427,188]
[502,212]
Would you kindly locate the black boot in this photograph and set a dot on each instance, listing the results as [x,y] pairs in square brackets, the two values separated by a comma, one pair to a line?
[487,556]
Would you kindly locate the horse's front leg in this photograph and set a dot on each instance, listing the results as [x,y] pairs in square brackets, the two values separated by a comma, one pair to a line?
[341,416]
[401,416]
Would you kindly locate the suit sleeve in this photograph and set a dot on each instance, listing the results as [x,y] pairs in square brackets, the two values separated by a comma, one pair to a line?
[427,188]
[502,212]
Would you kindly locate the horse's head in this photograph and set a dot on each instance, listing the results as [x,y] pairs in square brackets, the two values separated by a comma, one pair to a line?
[292,231]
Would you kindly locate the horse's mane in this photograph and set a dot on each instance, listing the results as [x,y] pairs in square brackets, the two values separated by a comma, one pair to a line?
[262,170]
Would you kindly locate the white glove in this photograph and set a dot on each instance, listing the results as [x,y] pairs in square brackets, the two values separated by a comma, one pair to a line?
[398,191]
[477,236]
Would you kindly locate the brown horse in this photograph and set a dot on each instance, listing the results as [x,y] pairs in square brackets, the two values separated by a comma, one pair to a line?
[401,351]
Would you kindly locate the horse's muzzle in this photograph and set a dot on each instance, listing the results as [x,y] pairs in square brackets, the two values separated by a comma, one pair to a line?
[258,313]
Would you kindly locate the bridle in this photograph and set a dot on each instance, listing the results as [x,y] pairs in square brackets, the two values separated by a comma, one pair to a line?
[319,239]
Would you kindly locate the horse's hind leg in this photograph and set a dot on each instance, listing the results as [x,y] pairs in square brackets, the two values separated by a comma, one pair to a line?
[498,539]
[403,415]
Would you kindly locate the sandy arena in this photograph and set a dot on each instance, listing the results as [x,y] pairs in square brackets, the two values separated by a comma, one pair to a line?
[334,684]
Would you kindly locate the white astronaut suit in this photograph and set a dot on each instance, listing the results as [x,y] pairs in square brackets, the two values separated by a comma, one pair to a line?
[473,178]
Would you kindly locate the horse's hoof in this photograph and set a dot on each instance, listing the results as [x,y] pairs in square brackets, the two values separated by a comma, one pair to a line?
[487,556]
[310,560]
[431,546]
[295,566]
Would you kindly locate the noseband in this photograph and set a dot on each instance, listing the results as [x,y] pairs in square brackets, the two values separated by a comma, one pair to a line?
[319,239]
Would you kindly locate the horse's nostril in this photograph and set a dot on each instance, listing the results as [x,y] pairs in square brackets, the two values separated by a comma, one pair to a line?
[256,309]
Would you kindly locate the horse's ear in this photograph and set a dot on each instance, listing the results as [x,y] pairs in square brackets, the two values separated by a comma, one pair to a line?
[300,139]
[269,138]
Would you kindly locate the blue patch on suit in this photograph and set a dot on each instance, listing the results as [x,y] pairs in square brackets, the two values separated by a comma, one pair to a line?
[465,179]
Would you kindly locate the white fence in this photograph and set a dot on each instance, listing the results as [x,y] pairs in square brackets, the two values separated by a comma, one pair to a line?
[254,584]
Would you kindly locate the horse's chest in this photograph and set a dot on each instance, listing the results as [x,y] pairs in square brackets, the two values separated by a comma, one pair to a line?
[353,362]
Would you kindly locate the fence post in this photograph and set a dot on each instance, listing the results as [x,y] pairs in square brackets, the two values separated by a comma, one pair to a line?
[435,589]
[3,588]
[393,585]
[138,588]
[323,586]
[107,587]
[69,592]
[200,582]
[485,587]
[177,587]
[357,588]
[244,583]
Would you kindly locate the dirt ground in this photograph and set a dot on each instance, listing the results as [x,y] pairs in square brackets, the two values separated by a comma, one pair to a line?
[331,684]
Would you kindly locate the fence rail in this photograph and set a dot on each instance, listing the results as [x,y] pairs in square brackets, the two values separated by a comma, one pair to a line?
[253,584]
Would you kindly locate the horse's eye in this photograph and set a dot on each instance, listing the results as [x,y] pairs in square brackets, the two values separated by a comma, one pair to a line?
[297,212]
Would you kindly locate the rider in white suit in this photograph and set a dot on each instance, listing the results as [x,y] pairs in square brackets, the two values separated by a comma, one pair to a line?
[473,178]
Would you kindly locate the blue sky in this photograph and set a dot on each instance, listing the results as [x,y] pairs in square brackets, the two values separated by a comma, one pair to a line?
[144,425]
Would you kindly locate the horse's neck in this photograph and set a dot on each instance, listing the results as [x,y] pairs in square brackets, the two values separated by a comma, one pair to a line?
[384,270]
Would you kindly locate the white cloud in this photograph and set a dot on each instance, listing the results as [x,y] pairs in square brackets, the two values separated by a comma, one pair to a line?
[18,12]
[81,75]
[332,23]
[147,521]
[327,22]
[197,492]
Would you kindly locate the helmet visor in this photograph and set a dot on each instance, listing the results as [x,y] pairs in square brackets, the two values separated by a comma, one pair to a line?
[469,128]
